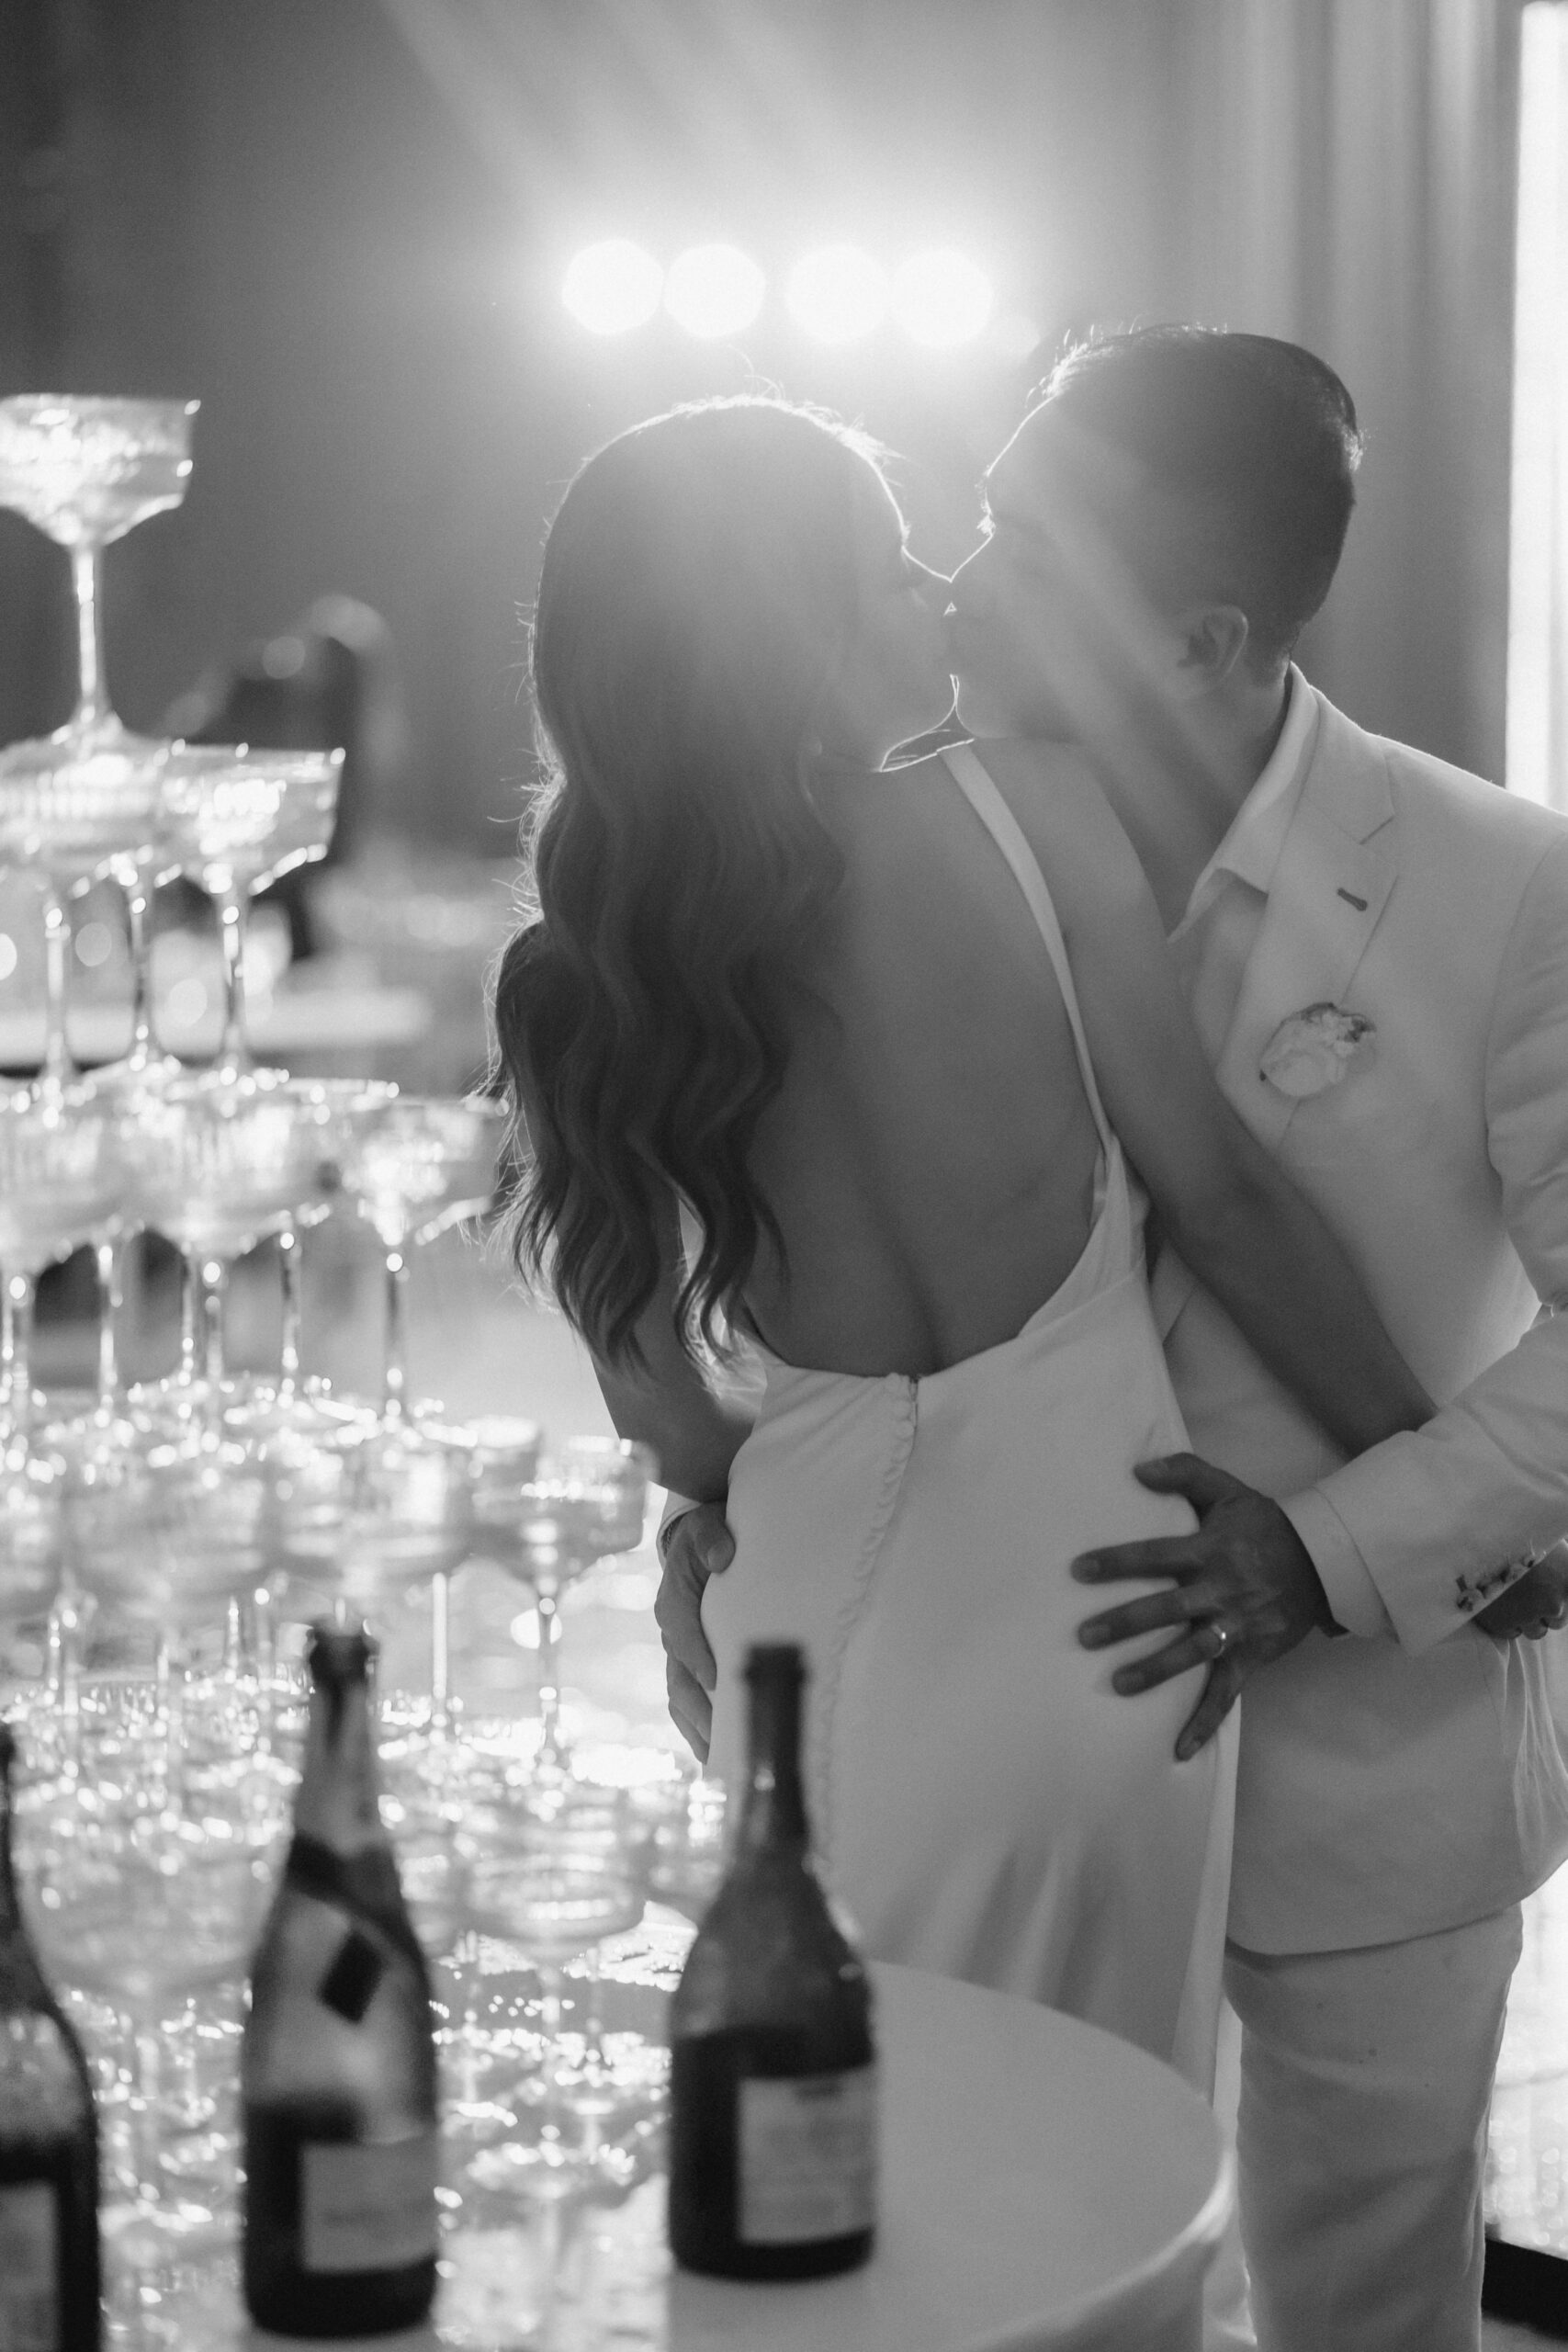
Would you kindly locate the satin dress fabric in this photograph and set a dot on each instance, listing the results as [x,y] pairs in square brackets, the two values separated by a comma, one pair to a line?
[983,1804]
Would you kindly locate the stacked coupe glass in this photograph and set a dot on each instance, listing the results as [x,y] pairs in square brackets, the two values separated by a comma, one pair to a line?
[163,1543]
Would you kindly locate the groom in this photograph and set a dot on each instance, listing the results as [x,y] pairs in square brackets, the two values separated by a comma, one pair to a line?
[1376,952]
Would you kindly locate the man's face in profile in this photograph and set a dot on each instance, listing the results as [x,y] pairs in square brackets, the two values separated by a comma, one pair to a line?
[1055,625]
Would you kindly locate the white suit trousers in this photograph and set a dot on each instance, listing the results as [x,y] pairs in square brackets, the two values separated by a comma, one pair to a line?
[1366,2077]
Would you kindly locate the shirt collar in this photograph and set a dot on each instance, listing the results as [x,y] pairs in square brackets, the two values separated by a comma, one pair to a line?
[1251,847]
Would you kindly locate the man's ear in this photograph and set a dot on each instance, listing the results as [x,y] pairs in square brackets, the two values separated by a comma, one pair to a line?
[1214,639]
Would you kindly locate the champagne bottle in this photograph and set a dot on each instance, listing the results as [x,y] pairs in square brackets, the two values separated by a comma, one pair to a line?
[337,2069]
[49,2291]
[773,2082]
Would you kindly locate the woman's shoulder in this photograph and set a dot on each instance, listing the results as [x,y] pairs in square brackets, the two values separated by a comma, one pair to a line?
[1061,807]
[1036,770]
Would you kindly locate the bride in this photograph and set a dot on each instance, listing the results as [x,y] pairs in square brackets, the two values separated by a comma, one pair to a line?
[834,1059]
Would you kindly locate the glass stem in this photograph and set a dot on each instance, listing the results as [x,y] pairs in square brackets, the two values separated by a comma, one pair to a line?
[8,1357]
[169,1676]
[69,1621]
[214,1288]
[440,1655]
[190,1317]
[288,1283]
[235,1648]
[550,1747]
[92,700]
[21,1290]
[147,2109]
[264,1632]
[57,1067]
[394,1353]
[264,1656]
[110,1258]
[593,2095]
[233,1054]
[552,2059]
[137,886]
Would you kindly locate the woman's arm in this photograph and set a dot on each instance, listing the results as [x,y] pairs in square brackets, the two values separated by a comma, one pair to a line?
[1228,1208]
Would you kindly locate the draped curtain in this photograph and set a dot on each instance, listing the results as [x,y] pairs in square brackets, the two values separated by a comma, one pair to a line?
[1538,588]
[1350,173]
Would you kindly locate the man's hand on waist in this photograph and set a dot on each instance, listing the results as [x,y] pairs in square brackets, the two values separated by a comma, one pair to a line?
[1242,1592]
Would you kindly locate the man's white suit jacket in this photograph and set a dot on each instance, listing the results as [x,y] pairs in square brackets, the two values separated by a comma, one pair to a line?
[1407,1775]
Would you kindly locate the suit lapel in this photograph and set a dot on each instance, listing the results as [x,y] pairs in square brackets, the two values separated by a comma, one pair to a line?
[1335,870]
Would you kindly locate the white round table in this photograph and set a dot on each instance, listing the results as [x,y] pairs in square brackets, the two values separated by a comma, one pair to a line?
[1044,2185]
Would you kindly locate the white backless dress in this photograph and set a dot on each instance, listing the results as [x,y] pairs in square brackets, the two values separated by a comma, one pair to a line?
[983,1803]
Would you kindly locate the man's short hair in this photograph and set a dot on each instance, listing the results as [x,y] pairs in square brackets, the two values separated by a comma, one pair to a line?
[1261,433]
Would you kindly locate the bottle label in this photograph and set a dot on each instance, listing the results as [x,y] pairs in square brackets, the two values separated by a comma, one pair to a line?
[807,2148]
[29,2314]
[370,2208]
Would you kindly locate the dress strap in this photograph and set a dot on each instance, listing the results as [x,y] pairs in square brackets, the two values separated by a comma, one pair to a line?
[979,789]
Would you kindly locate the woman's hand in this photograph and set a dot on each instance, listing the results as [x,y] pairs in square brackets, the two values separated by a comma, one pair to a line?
[699,1545]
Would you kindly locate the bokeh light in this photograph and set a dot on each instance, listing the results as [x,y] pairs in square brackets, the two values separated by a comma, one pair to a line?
[611,288]
[839,294]
[713,290]
[941,299]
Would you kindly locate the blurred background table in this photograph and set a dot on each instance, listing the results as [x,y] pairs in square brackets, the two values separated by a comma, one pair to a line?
[1046,2189]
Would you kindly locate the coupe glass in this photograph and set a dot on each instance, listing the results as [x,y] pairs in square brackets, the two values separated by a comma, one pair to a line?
[555,1871]
[62,1180]
[414,1170]
[545,1515]
[365,1516]
[234,819]
[223,1166]
[86,471]
[150,1851]
[70,813]
[687,1851]
[166,1532]
[289,1407]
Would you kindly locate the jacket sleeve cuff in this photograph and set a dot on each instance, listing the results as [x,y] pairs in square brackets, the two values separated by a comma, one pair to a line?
[1354,1600]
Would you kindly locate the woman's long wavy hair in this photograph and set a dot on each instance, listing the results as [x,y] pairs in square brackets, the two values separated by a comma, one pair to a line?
[697,591]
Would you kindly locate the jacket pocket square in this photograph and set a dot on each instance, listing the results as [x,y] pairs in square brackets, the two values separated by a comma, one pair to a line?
[1311,1050]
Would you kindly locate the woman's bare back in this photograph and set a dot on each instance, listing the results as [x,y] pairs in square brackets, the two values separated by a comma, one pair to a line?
[930,1159]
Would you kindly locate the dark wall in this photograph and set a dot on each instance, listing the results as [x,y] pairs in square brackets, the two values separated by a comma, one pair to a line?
[342,226]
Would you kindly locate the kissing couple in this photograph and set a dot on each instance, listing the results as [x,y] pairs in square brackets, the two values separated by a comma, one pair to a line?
[896,1073]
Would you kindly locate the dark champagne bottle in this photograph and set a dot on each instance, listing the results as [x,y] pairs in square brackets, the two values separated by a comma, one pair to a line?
[337,2070]
[772,2072]
[50,2291]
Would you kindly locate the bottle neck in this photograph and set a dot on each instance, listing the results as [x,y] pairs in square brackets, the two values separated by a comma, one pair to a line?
[21,1979]
[339,1787]
[10,1906]
[773,1813]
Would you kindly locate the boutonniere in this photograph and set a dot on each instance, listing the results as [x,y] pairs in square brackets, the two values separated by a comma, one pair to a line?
[1311,1050]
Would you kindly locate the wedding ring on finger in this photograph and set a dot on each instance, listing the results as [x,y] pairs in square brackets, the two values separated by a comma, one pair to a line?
[1222,1635]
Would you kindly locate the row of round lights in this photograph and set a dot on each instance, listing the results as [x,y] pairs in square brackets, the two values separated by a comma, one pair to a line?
[839,294]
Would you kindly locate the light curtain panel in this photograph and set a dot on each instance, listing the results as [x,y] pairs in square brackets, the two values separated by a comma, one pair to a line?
[1536,753]
[1349,168]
